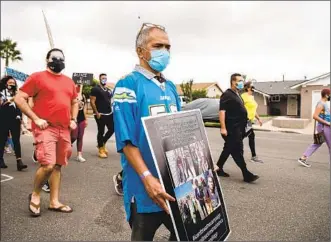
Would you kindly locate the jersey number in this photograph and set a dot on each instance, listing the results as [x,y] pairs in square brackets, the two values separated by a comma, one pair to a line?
[159,109]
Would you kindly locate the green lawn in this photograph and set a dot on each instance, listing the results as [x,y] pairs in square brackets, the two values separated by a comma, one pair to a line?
[212,125]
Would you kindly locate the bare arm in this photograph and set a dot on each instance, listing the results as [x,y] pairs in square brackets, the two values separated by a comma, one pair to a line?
[21,100]
[94,107]
[152,185]
[74,108]
[317,112]
[135,159]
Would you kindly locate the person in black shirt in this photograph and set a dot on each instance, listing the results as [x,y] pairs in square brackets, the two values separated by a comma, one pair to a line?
[11,118]
[101,104]
[233,120]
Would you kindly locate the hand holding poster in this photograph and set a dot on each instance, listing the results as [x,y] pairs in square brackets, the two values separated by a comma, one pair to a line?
[82,78]
[181,153]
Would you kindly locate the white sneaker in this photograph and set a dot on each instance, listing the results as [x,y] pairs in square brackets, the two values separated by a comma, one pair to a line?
[304,162]
[80,159]
[7,150]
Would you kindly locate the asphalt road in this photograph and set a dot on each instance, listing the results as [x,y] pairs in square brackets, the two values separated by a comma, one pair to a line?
[288,202]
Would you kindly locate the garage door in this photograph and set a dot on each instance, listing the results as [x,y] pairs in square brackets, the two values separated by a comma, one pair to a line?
[316,97]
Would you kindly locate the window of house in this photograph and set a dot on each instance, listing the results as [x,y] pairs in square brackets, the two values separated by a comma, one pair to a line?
[275,98]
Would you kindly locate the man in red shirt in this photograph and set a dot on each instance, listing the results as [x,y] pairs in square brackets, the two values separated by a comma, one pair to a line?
[53,115]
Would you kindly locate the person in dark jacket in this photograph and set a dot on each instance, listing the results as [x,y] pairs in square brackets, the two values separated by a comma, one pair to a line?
[10,121]
[233,120]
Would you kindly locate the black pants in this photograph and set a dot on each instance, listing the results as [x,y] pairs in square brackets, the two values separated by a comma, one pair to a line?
[233,146]
[144,225]
[14,126]
[105,120]
[251,141]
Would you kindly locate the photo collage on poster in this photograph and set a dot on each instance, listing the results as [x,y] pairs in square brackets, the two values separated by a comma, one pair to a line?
[195,188]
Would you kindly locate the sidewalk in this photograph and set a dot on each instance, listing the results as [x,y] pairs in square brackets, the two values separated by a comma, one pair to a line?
[267,126]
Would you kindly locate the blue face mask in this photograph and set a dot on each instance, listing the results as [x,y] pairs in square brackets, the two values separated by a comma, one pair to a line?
[103,82]
[240,85]
[159,60]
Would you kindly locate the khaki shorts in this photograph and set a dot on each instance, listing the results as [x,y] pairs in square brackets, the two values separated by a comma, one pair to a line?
[52,145]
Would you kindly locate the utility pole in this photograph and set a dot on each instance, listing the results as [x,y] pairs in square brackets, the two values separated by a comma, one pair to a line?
[49,34]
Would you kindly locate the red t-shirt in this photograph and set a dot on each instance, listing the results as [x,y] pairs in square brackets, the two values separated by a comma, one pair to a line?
[52,95]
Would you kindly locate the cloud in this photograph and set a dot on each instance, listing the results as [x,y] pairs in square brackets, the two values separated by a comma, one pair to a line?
[210,40]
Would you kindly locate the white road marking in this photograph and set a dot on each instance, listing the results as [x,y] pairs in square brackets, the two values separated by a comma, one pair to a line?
[8,178]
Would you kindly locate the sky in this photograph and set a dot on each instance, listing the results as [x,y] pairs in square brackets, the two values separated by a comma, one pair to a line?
[210,40]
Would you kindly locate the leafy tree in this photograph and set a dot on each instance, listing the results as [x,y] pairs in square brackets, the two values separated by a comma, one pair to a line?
[187,89]
[9,52]
[87,88]
[200,93]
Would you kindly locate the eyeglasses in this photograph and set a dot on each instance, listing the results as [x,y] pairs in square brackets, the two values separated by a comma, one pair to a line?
[149,25]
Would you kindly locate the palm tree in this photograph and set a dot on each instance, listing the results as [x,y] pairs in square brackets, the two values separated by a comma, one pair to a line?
[9,52]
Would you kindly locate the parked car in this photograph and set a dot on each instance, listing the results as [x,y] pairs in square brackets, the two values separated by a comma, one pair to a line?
[209,108]
[183,101]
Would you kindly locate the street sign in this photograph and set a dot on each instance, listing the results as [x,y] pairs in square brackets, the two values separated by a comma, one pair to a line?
[82,78]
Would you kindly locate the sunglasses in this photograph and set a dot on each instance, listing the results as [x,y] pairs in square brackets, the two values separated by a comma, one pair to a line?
[53,58]
[149,25]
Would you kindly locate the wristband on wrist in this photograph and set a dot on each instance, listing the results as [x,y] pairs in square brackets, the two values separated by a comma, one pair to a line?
[73,119]
[145,174]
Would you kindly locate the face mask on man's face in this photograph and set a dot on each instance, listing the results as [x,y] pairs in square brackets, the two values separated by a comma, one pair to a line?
[160,59]
[103,81]
[240,85]
[329,99]
[56,62]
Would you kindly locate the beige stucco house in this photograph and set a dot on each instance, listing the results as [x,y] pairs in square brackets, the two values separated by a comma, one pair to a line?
[212,88]
[310,93]
[290,98]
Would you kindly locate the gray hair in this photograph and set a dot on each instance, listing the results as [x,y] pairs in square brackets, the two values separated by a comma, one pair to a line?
[142,37]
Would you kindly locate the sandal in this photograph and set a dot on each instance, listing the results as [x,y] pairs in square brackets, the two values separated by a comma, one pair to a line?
[61,210]
[34,214]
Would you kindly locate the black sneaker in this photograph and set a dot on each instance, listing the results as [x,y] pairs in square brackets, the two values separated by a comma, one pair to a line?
[303,162]
[118,185]
[222,173]
[251,178]
[46,187]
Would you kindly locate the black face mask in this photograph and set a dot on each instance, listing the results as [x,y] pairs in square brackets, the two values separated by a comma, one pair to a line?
[11,88]
[329,98]
[56,65]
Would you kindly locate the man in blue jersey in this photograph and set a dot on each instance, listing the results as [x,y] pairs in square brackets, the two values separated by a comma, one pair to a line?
[144,92]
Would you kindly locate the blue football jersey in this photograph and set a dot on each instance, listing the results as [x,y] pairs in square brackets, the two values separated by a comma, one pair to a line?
[136,96]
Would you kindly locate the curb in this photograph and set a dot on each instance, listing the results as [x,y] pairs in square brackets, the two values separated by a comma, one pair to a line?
[279,131]
[268,130]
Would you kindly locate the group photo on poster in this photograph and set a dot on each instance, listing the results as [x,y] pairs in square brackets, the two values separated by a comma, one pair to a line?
[197,199]
[182,155]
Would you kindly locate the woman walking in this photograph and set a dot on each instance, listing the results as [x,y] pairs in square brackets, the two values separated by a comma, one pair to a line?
[322,117]
[251,107]
[78,133]
[11,118]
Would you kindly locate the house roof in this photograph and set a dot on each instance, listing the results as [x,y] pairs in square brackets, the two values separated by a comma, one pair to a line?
[199,86]
[278,87]
[311,80]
